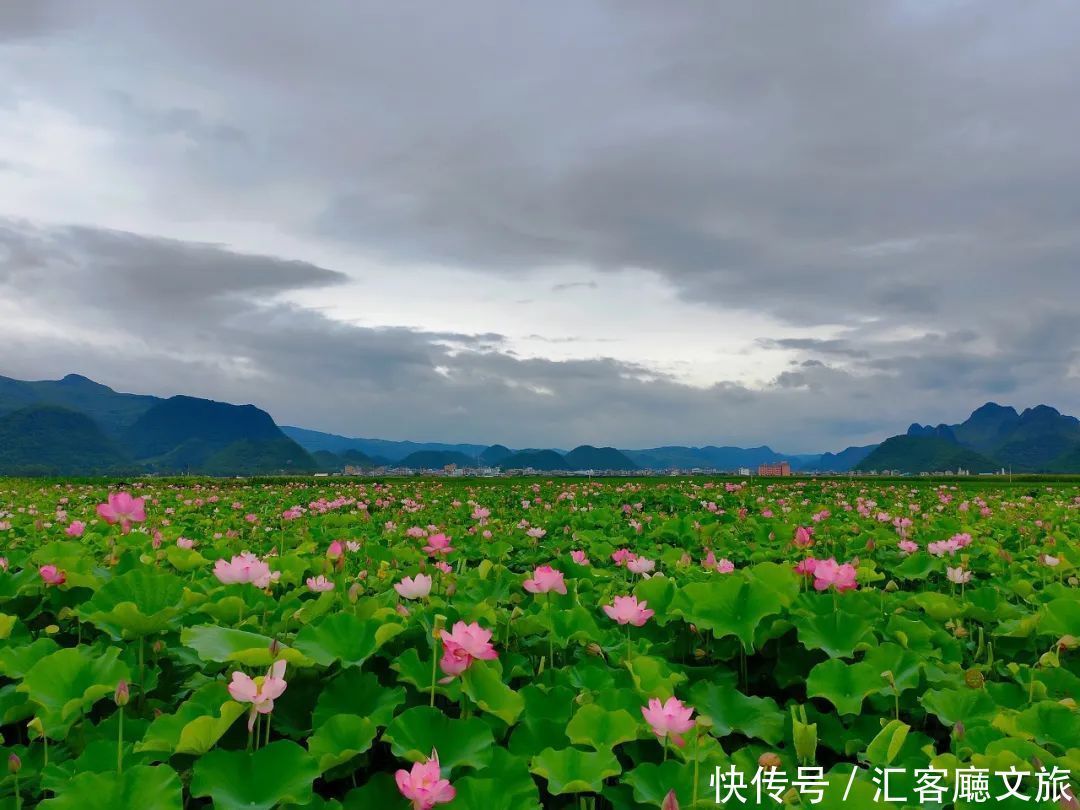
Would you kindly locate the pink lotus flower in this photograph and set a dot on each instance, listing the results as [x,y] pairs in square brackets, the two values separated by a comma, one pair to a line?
[536,532]
[414,587]
[725,566]
[259,692]
[829,574]
[545,579]
[335,550]
[580,557]
[75,529]
[444,566]
[640,565]
[464,644]
[123,509]
[319,584]
[623,556]
[438,544]
[245,567]
[185,542]
[957,575]
[669,719]
[1049,560]
[424,785]
[52,575]
[908,546]
[627,610]
[3,564]
[806,567]
[803,537]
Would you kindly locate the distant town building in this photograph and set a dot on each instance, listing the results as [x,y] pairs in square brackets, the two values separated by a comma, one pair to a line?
[774,468]
[744,471]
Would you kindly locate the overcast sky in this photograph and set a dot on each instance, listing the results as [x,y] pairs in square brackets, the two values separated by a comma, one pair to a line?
[614,222]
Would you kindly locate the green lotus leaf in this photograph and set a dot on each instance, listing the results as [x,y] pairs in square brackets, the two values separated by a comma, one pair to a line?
[733,712]
[185,560]
[279,773]
[733,605]
[379,791]
[229,646]
[17,659]
[573,624]
[344,637]
[354,692]
[601,729]
[505,784]
[906,667]
[483,683]
[1060,617]
[572,770]
[417,672]
[1051,723]
[340,739]
[137,603]
[415,732]
[651,783]
[66,683]
[654,677]
[837,632]
[197,724]
[843,685]
[953,705]
[938,606]
[884,748]
[141,786]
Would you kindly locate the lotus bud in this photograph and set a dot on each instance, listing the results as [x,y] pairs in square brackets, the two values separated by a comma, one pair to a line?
[122,695]
[1068,642]
[670,801]
[14,764]
[594,649]
[35,726]
[440,623]
[959,730]
[275,648]
[354,591]
[158,647]
[769,761]
[891,586]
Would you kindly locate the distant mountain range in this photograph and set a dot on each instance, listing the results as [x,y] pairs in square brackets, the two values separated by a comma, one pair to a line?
[1041,439]
[76,426]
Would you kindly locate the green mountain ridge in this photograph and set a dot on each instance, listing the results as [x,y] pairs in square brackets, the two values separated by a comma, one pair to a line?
[1038,440]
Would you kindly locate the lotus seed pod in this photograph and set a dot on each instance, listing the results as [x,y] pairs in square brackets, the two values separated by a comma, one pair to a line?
[769,761]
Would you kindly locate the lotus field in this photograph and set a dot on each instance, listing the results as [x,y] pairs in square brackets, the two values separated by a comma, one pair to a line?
[509,644]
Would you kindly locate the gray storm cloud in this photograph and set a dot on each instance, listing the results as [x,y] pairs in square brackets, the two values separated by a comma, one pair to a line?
[902,173]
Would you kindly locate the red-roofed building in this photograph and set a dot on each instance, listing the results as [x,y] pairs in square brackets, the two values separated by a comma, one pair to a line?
[774,468]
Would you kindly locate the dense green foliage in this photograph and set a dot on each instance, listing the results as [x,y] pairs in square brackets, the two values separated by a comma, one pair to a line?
[915,454]
[948,639]
[47,440]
